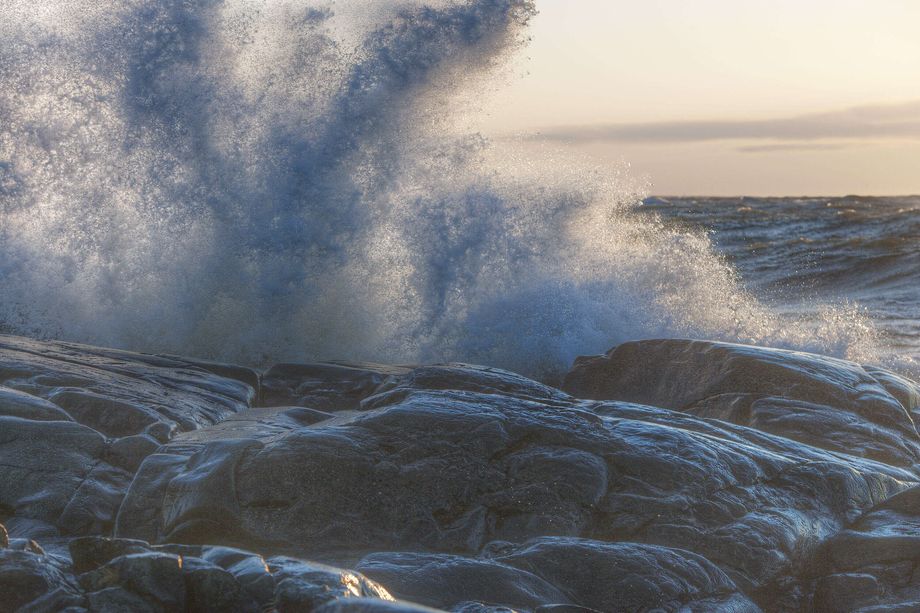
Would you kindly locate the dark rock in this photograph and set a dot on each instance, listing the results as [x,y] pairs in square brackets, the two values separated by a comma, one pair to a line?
[211,588]
[451,470]
[464,377]
[62,492]
[110,394]
[176,392]
[562,574]
[130,451]
[29,576]
[105,415]
[155,577]
[120,600]
[333,386]
[372,605]
[303,586]
[849,408]
[872,565]
[446,581]
[846,592]
[14,403]
[90,552]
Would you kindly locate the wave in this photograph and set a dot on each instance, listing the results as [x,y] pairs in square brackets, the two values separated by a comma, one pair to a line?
[265,181]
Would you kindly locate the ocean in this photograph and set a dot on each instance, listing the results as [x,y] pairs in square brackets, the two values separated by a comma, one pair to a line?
[285,182]
[801,254]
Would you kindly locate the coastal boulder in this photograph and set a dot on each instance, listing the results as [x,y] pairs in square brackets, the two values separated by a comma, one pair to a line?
[77,421]
[562,574]
[821,401]
[449,470]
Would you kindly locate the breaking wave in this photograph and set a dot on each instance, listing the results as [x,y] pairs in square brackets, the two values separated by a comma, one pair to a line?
[263,181]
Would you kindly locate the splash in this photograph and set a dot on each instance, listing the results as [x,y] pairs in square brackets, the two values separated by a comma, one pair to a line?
[260,181]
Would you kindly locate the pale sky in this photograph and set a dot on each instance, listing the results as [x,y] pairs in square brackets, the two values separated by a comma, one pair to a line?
[725,97]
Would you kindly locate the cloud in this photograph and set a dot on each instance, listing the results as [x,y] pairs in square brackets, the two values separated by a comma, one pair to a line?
[895,121]
[784,147]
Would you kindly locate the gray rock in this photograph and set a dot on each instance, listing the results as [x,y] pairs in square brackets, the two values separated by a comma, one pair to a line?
[872,565]
[76,422]
[180,393]
[29,576]
[562,574]
[864,411]
[333,386]
[370,605]
[449,470]
[14,403]
[449,581]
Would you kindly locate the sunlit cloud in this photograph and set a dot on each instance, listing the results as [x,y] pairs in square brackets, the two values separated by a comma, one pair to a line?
[798,147]
[895,121]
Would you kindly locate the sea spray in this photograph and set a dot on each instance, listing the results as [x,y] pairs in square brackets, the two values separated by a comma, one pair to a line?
[258,181]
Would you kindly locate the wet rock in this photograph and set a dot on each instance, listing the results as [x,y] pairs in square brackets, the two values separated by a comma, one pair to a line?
[173,391]
[30,576]
[14,403]
[450,470]
[464,377]
[872,562]
[369,605]
[130,451]
[305,586]
[852,409]
[131,573]
[562,574]
[113,418]
[76,422]
[75,492]
[330,386]
[447,581]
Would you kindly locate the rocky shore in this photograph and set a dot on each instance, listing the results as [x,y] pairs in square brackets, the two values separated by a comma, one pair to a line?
[666,475]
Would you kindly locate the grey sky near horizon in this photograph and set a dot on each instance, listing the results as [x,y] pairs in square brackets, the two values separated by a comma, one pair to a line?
[725,97]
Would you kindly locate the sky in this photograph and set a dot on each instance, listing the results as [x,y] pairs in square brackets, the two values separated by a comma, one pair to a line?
[724,97]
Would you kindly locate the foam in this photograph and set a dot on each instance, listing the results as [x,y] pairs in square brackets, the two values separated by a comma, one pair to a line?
[239,180]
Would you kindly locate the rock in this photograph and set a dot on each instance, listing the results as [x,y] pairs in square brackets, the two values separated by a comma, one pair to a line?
[368,605]
[873,561]
[107,416]
[851,409]
[211,588]
[768,479]
[90,552]
[176,392]
[97,413]
[14,403]
[75,493]
[450,470]
[130,573]
[330,386]
[464,377]
[155,577]
[845,592]
[4,537]
[561,574]
[305,586]
[130,451]
[28,576]
[448,581]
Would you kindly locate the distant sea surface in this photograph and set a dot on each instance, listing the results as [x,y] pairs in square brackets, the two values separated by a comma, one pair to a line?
[796,253]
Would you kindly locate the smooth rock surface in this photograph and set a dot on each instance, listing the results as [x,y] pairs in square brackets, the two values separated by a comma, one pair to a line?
[875,562]
[77,421]
[560,574]
[820,401]
[448,470]
[764,480]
